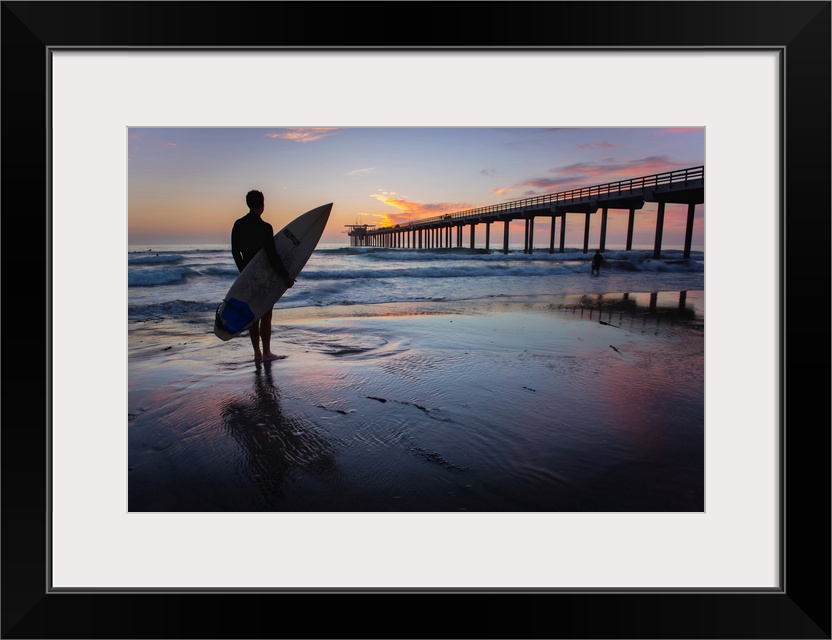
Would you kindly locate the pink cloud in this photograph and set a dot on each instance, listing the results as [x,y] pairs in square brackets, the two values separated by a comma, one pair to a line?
[407,209]
[304,134]
[600,145]
[589,173]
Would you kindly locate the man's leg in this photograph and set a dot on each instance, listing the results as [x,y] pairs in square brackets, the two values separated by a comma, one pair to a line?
[254,334]
[266,336]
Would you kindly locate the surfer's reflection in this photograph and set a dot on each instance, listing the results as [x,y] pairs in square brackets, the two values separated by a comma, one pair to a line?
[278,447]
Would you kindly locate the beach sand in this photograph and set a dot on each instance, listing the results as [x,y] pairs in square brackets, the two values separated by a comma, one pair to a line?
[561,404]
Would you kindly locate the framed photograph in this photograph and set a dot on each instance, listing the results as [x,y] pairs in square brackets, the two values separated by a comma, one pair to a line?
[83,556]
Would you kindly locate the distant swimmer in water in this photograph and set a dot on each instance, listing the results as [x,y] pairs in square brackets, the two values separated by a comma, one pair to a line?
[597,259]
[248,235]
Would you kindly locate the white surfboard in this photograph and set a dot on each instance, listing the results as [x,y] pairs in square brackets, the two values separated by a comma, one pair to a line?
[259,287]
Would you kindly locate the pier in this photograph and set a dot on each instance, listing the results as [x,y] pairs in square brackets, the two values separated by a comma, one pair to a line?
[683,186]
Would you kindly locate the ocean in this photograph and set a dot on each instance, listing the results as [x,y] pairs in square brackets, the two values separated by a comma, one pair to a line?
[179,281]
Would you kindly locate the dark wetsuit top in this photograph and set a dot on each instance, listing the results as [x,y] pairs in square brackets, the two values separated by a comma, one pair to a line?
[250,234]
[596,261]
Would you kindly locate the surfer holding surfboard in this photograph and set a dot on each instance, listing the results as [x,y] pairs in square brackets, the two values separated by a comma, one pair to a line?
[249,235]
[268,267]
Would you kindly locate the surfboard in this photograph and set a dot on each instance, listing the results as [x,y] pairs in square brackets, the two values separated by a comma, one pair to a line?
[258,287]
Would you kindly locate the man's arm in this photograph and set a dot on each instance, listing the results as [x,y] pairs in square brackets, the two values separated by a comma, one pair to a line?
[235,248]
[274,259]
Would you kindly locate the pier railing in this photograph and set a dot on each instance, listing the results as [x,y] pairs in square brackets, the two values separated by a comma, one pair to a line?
[678,178]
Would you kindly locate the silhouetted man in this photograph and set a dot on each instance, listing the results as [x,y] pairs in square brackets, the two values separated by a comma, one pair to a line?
[248,235]
[597,259]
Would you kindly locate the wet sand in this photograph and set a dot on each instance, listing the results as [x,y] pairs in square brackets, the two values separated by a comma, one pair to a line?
[567,404]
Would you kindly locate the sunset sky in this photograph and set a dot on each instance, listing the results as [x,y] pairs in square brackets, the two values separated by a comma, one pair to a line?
[188,185]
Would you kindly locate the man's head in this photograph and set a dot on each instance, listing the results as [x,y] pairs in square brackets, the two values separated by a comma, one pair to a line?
[254,200]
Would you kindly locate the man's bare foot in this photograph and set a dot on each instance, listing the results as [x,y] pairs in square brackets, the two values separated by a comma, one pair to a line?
[258,358]
[271,356]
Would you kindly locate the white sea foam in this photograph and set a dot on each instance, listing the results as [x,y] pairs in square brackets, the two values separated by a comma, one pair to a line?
[158,284]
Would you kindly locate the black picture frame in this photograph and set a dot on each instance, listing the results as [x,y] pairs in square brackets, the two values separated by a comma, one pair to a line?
[799,31]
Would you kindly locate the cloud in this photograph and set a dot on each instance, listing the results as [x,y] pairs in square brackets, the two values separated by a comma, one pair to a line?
[600,145]
[585,174]
[361,172]
[489,172]
[408,209]
[303,135]
[383,220]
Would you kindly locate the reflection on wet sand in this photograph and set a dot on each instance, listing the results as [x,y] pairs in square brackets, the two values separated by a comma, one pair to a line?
[276,446]
[672,307]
